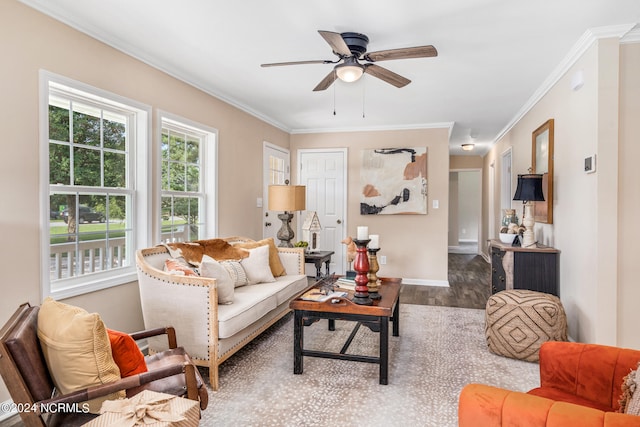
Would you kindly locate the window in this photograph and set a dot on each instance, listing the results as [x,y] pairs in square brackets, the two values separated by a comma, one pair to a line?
[90,142]
[188,190]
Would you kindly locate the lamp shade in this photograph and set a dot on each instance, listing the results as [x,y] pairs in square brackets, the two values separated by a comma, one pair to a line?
[287,197]
[529,188]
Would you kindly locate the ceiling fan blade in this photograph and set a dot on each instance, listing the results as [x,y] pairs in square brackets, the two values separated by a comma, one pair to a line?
[326,82]
[402,53]
[388,76]
[278,64]
[336,42]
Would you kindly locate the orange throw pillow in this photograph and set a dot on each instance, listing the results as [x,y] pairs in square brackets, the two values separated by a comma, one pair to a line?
[126,354]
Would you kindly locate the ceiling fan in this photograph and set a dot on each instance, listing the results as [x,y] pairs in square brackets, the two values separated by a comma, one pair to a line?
[351,48]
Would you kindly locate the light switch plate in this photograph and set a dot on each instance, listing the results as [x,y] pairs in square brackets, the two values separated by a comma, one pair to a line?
[436,204]
[590,164]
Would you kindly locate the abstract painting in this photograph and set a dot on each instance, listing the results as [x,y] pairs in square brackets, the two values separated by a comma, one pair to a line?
[394,181]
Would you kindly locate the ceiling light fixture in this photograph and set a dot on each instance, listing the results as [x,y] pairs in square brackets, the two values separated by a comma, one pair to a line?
[468,147]
[350,70]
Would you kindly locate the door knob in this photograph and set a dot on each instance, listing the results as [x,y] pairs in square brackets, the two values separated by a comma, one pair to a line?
[339,221]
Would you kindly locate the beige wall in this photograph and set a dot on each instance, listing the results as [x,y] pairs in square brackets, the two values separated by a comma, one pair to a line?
[629,197]
[588,207]
[415,245]
[30,41]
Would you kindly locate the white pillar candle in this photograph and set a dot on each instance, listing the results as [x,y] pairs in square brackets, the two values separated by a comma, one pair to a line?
[363,233]
[375,241]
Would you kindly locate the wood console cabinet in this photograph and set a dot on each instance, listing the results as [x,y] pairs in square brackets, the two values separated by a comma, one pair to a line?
[534,268]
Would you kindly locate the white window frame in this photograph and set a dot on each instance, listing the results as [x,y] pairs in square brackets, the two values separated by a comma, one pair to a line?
[139,176]
[208,172]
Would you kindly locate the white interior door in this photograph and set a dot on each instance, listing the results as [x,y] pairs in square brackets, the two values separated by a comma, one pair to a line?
[276,170]
[323,172]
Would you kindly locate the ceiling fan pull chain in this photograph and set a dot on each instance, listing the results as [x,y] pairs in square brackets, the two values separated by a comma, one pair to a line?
[334,97]
[364,85]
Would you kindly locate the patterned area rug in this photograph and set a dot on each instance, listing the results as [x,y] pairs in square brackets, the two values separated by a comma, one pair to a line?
[439,350]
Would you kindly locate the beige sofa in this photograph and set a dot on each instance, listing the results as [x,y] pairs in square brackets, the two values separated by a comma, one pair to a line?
[209,332]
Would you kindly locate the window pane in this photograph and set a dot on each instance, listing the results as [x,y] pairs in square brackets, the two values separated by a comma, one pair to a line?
[86,167]
[177,176]
[86,129]
[117,212]
[115,169]
[114,134]
[164,146]
[165,175]
[177,147]
[193,178]
[58,123]
[193,150]
[59,164]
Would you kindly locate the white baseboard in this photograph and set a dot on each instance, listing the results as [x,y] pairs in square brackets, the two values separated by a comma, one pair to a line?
[423,282]
[468,240]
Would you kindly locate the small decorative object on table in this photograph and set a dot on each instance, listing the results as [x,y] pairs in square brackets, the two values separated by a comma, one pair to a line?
[149,408]
[361,266]
[374,247]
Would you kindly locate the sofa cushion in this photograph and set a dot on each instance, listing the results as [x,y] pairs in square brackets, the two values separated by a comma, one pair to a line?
[277,269]
[237,273]
[256,265]
[630,399]
[77,350]
[179,267]
[126,354]
[250,303]
[286,287]
[211,268]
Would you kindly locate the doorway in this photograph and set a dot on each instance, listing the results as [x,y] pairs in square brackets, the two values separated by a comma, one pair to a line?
[276,171]
[323,172]
[465,211]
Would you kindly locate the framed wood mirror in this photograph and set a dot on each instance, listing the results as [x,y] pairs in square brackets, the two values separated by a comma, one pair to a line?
[542,163]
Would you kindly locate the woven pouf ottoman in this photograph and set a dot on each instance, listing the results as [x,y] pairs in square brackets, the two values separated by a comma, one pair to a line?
[518,321]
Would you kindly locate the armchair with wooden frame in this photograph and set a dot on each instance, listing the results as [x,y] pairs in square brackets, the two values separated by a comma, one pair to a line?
[26,375]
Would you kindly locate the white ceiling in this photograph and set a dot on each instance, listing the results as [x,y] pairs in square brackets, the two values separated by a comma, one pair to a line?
[494,56]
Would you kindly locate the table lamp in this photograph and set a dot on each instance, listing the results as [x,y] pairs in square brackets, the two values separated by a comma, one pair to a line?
[529,190]
[286,198]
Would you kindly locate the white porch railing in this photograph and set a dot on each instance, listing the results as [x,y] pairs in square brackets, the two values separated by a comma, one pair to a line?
[75,259]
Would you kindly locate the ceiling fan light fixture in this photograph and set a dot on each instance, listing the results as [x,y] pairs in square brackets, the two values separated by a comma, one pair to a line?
[350,71]
[468,147]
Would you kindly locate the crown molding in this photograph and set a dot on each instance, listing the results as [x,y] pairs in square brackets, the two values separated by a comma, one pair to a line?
[589,37]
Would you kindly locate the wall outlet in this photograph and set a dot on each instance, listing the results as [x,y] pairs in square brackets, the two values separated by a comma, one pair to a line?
[259,202]
[383,259]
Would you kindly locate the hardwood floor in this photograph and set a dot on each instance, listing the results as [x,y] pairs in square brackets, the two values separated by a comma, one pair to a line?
[469,277]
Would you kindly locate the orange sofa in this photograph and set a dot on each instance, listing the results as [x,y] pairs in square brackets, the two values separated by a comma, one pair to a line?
[580,385]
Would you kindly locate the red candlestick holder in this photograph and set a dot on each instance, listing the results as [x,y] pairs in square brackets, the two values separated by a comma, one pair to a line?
[361,266]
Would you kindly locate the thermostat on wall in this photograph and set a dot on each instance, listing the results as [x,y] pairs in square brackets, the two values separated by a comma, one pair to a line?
[590,164]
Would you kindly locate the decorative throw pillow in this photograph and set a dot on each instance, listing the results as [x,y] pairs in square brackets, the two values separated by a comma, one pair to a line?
[277,269]
[126,354]
[211,268]
[77,350]
[257,265]
[179,267]
[630,400]
[237,273]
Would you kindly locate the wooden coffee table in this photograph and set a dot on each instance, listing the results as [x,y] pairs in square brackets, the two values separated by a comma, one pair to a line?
[376,317]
